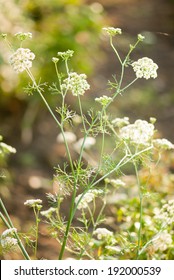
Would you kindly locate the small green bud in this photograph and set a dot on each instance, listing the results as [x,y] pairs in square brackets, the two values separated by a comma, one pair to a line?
[141,37]
[66,55]
[152,120]
[103,100]
[3,35]
[55,59]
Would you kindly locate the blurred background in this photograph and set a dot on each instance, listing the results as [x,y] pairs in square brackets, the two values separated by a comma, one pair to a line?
[58,25]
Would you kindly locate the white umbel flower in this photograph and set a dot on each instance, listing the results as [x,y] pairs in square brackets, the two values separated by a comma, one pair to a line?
[33,202]
[163,144]
[112,31]
[87,198]
[7,148]
[162,242]
[9,232]
[139,133]
[103,100]
[48,213]
[7,238]
[21,59]
[117,183]
[166,213]
[76,83]
[145,68]
[120,122]
[8,242]
[23,35]
[102,233]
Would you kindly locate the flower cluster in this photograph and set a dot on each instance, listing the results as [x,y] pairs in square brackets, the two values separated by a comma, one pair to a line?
[6,148]
[139,133]
[162,242]
[87,198]
[23,35]
[8,232]
[76,83]
[140,37]
[21,59]
[103,100]
[102,233]
[7,239]
[120,122]
[48,213]
[163,144]
[117,183]
[33,202]
[145,68]
[112,31]
[66,55]
[166,213]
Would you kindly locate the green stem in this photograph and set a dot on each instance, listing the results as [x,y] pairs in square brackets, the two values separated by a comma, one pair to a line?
[141,208]
[36,213]
[68,225]
[43,98]
[128,85]
[81,113]
[4,220]
[140,222]
[103,125]
[115,50]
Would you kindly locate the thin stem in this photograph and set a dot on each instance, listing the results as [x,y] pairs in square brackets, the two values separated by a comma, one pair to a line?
[103,126]
[140,223]
[141,208]
[4,220]
[43,98]
[91,215]
[66,65]
[81,113]
[131,50]
[115,50]
[57,73]
[68,225]
[128,85]
[36,213]
[9,44]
